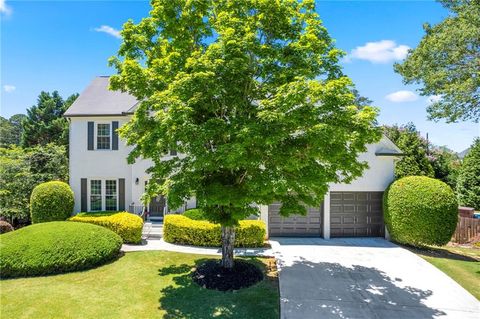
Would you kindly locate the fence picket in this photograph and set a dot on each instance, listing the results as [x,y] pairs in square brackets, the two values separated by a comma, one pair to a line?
[467,229]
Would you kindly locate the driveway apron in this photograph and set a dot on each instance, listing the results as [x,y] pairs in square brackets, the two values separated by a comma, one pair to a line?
[364,278]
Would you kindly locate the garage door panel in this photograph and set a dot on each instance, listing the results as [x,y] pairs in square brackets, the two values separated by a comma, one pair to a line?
[297,225]
[356,214]
[348,220]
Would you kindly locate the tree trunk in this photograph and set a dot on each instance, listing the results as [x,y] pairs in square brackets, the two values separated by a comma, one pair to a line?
[228,239]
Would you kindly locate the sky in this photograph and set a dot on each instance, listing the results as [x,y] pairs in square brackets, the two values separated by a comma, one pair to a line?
[63,45]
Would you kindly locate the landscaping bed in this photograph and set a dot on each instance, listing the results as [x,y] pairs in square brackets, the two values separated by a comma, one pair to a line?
[153,284]
[212,275]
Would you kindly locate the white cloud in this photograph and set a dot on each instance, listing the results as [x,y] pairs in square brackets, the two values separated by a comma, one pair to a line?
[4,8]
[434,99]
[109,30]
[383,51]
[9,88]
[402,96]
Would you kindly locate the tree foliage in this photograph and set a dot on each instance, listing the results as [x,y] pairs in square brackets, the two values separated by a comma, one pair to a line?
[252,95]
[45,123]
[468,186]
[414,148]
[446,165]
[11,130]
[22,169]
[446,63]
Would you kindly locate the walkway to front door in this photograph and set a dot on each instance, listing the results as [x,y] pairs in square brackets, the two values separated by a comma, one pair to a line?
[364,278]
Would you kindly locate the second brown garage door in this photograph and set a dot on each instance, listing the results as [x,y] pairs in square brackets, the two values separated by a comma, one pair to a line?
[295,225]
[356,214]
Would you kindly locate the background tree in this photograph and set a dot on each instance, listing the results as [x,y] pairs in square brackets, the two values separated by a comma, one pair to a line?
[360,100]
[446,165]
[468,185]
[446,63]
[252,93]
[45,123]
[414,148]
[11,130]
[21,170]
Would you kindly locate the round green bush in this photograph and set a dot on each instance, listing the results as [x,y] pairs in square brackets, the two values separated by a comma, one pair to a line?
[56,247]
[420,210]
[51,201]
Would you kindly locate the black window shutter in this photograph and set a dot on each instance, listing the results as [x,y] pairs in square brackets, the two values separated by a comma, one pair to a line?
[114,135]
[83,192]
[90,136]
[121,194]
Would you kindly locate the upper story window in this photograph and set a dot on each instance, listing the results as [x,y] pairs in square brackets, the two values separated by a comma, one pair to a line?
[103,136]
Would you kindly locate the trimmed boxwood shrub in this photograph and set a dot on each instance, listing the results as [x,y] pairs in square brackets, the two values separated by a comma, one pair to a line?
[420,211]
[126,225]
[56,247]
[51,201]
[195,214]
[5,227]
[178,229]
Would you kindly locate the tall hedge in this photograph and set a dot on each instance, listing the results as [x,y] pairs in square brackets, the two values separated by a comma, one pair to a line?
[468,183]
[51,201]
[420,210]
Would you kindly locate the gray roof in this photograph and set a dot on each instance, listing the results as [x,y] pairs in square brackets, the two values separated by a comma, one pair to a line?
[98,100]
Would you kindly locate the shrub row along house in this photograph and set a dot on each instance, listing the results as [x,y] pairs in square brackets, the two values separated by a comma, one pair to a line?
[102,180]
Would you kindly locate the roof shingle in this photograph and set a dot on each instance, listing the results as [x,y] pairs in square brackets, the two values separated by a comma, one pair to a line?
[97,100]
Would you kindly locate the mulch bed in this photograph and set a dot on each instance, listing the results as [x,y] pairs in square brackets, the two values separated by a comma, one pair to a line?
[212,275]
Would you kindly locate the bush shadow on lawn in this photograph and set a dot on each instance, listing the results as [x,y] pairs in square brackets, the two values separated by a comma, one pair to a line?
[186,299]
[439,252]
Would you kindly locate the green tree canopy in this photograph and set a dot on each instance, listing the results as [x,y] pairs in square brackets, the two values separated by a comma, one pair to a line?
[11,130]
[252,95]
[45,123]
[446,165]
[446,63]
[22,169]
[414,148]
[468,185]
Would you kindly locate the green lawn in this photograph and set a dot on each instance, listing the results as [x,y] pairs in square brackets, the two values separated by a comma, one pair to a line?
[139,285]
[461,264]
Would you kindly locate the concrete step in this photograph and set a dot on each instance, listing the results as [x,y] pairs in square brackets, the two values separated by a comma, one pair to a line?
[152,230]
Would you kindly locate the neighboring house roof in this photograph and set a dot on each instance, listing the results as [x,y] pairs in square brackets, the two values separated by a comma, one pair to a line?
[388,148]
[98,100]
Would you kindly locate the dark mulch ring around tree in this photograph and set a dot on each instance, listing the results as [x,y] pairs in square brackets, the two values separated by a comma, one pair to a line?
[212,275]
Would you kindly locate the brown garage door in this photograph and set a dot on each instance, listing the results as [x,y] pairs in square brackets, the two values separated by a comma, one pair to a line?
[356,214]
[295,225]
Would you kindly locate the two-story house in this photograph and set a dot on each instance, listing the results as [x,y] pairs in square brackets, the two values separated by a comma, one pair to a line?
[102,179]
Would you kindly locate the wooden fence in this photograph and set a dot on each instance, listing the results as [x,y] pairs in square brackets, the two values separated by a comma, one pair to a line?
[467,229]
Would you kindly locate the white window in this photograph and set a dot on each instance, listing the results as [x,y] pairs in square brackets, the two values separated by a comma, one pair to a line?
[95,195]
[103,136]
[111,195]
[103,195]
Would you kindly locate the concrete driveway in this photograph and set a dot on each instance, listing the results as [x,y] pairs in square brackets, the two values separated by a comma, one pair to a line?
[364,278]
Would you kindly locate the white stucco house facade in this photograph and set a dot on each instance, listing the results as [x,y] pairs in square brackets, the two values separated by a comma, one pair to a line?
[101,178]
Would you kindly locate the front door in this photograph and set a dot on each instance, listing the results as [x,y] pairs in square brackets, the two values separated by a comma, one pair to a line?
[156,206]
